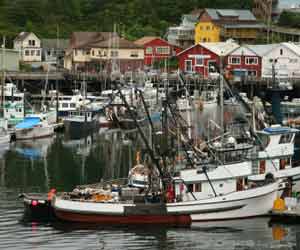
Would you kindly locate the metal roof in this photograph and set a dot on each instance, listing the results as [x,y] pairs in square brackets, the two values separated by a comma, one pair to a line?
[288,4]
[242,26]
[262,49]
[243,15]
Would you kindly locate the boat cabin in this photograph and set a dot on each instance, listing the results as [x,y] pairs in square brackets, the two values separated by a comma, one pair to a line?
[276,149]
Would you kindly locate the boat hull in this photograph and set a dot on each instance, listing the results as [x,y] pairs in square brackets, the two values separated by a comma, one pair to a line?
[34,133]
[76,126]
[244,204]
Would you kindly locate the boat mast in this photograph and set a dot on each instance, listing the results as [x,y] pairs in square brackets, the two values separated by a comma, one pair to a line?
[56,81]
[221,98]
[3,76]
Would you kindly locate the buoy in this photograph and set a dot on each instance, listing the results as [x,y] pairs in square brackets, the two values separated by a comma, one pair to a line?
[278,232]
[279,204]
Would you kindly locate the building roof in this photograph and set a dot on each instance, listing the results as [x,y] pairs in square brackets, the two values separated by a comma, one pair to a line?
[120,43]
[241,15]
[244,25]
[262,49]
[55,44]
[83,39]
[22,36]
[243,50]
[10,51]
[293,47]
[287,4]
[146,39]
[219,48]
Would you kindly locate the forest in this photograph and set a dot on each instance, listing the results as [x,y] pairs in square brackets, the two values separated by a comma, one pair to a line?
[134,18]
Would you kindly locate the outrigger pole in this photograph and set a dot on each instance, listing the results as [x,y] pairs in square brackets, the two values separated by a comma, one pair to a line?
[152,155]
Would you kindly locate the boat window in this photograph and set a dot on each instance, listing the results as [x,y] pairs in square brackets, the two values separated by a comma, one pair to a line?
[197,187]
[73,105]
[65,105]
[263,140]
[190,188]
[286,138]
[20,110]
[283,163]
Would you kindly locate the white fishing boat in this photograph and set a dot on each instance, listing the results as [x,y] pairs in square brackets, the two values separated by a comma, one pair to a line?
[34,126]
[127,206]
[275,155]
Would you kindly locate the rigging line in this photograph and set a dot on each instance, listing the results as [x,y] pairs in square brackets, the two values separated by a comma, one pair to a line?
[151,152]
[203,167]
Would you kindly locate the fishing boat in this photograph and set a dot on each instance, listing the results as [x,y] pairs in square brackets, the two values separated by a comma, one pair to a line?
[209,97]
[34,126]
[127,205]
[82,120]
[275,152]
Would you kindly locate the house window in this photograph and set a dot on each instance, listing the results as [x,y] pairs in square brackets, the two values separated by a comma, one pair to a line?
[134,54]
[188,66]
[32,52]
[252,73]
[31,42]
[93,53]
[199,61]
[281,52]
[88,52]
[26,52]
[114,53]
[234,60]
[207,27]
[38,53]
[251,60]
[149,50]
[163,50]
[49,52]
[201,28]
[208,39]
[204,39]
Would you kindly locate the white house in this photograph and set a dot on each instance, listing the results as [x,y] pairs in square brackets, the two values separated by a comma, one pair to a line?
[284,58]
[29,46]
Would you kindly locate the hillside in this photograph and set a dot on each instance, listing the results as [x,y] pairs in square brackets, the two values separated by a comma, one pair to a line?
[135,18]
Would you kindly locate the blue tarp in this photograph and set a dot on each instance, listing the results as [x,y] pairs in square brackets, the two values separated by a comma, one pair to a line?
[279,130]
[30,153]
[28,122]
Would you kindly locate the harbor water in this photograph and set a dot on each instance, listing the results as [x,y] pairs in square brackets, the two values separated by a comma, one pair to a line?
[64,161]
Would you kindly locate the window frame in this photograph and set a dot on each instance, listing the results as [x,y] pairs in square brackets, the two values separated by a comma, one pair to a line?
[251,58]
[230,58]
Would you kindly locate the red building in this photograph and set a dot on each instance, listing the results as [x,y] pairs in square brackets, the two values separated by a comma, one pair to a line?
[203,58]
[244,62]
[156,49]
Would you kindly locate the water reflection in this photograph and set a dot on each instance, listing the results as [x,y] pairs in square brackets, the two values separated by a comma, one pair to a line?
[65,161]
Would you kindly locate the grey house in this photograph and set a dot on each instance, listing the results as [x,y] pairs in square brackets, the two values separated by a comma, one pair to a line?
[53,51]
[9,60]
